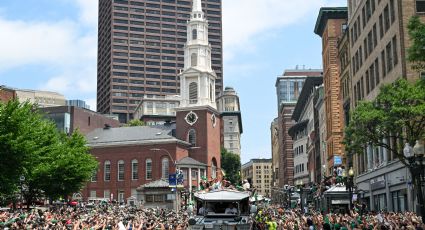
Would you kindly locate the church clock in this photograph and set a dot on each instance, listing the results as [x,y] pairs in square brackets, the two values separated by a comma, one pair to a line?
[191,118]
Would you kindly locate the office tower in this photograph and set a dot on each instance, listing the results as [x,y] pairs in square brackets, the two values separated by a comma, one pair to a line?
[141,50]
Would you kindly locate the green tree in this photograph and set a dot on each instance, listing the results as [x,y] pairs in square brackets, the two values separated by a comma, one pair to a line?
[416,52]
[397,116]
[231,165]
[135,122]
[53,164]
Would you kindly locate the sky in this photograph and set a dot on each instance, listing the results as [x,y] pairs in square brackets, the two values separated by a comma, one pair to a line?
[52,45]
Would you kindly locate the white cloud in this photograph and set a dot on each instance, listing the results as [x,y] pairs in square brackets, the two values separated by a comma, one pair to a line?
[67,47]
[244,21]
[88,11]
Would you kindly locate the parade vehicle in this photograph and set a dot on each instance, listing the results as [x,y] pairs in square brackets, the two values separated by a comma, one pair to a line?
[223,209]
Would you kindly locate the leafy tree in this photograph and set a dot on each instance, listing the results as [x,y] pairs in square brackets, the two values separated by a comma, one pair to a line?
[397,113]
[416,52]
[231,164]
[135,122]
[53,164]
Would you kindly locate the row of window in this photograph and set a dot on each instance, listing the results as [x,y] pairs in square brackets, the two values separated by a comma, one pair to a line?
[299,150]
[299,168]
[389,59]
[165,167]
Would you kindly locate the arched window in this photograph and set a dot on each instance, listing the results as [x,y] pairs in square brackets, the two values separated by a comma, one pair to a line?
[165,168]
[214,168]
[134,169]
[191,137]
[193,93]
[107,171]
[193,59]
[120,170]
[194,34]
[148,169]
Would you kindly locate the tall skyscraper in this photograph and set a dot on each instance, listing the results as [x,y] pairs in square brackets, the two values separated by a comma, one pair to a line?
[141,50]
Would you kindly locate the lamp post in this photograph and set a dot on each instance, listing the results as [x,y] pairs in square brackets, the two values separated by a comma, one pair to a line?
[350,185]
[177,171]
[415,157]
[22,180]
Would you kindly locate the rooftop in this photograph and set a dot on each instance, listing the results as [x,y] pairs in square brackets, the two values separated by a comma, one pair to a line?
[309,84]
[327,13]
[131,135]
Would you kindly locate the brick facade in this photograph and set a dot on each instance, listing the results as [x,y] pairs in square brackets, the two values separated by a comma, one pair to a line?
[286,151]
[6,94]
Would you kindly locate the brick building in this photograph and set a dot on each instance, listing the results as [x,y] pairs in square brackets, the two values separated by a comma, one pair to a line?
[70,118]
[330,25]
[136,160]
[6,94]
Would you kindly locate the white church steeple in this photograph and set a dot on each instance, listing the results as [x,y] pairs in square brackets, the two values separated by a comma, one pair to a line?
[197,81]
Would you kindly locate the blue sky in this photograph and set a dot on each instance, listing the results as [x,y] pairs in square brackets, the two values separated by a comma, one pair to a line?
[52,45]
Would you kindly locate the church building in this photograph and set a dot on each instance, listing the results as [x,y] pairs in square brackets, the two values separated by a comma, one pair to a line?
[135,162]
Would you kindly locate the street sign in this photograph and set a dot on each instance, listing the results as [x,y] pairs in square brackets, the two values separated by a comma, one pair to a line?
[172,180]
[337,160]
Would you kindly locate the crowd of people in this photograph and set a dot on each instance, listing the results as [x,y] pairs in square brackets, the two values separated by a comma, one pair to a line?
[94,218]
[273,218]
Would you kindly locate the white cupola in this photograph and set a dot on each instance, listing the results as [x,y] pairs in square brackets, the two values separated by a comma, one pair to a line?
[197,81]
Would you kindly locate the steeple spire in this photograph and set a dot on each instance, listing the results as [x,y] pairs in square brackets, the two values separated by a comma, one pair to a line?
[197,6]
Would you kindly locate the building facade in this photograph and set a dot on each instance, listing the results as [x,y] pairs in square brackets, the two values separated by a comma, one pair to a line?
[141,50]
[274,136]
[330,25]
[71,118]
[303,133]
[229,108]
[288,87]
[378,41]
[135,160]
[78,103]
[6,94]
[156,110]
[41,98]
[259,173]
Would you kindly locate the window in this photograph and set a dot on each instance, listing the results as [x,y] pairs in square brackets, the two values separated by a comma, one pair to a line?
[191,137]
[384,70]
[386,18]
[134,169]
[120,170]
[193,93]
[94,176]
[214,168]
[388,51]
[377,71]
[107,170]
[93,194]
[395,55]
[165,168]
[420,6]
[193,59]
[194,34]
[148,169]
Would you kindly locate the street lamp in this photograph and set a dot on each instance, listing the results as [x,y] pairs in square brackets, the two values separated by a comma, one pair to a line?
[22,180]
[350,185]
[415,157]
[175,165]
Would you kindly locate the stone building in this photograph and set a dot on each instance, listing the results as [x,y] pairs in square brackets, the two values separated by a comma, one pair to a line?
[288,87]
[303,133]
[330,25]
[6,94]
[259,173]
[229,108]
[378,41]
[156,110]
[275,152]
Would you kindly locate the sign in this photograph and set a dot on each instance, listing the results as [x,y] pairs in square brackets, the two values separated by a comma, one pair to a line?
[337,160]
[340,201]
[377,183]
[172,180]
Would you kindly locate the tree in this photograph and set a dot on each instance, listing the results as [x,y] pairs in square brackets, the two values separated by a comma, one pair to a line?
[396,116]
[231,165]
[53,163]
[416,52]
[135,122]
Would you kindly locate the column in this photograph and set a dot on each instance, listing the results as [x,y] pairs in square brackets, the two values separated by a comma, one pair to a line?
[369,157]
[385,153]
[199,177]
[190,183]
